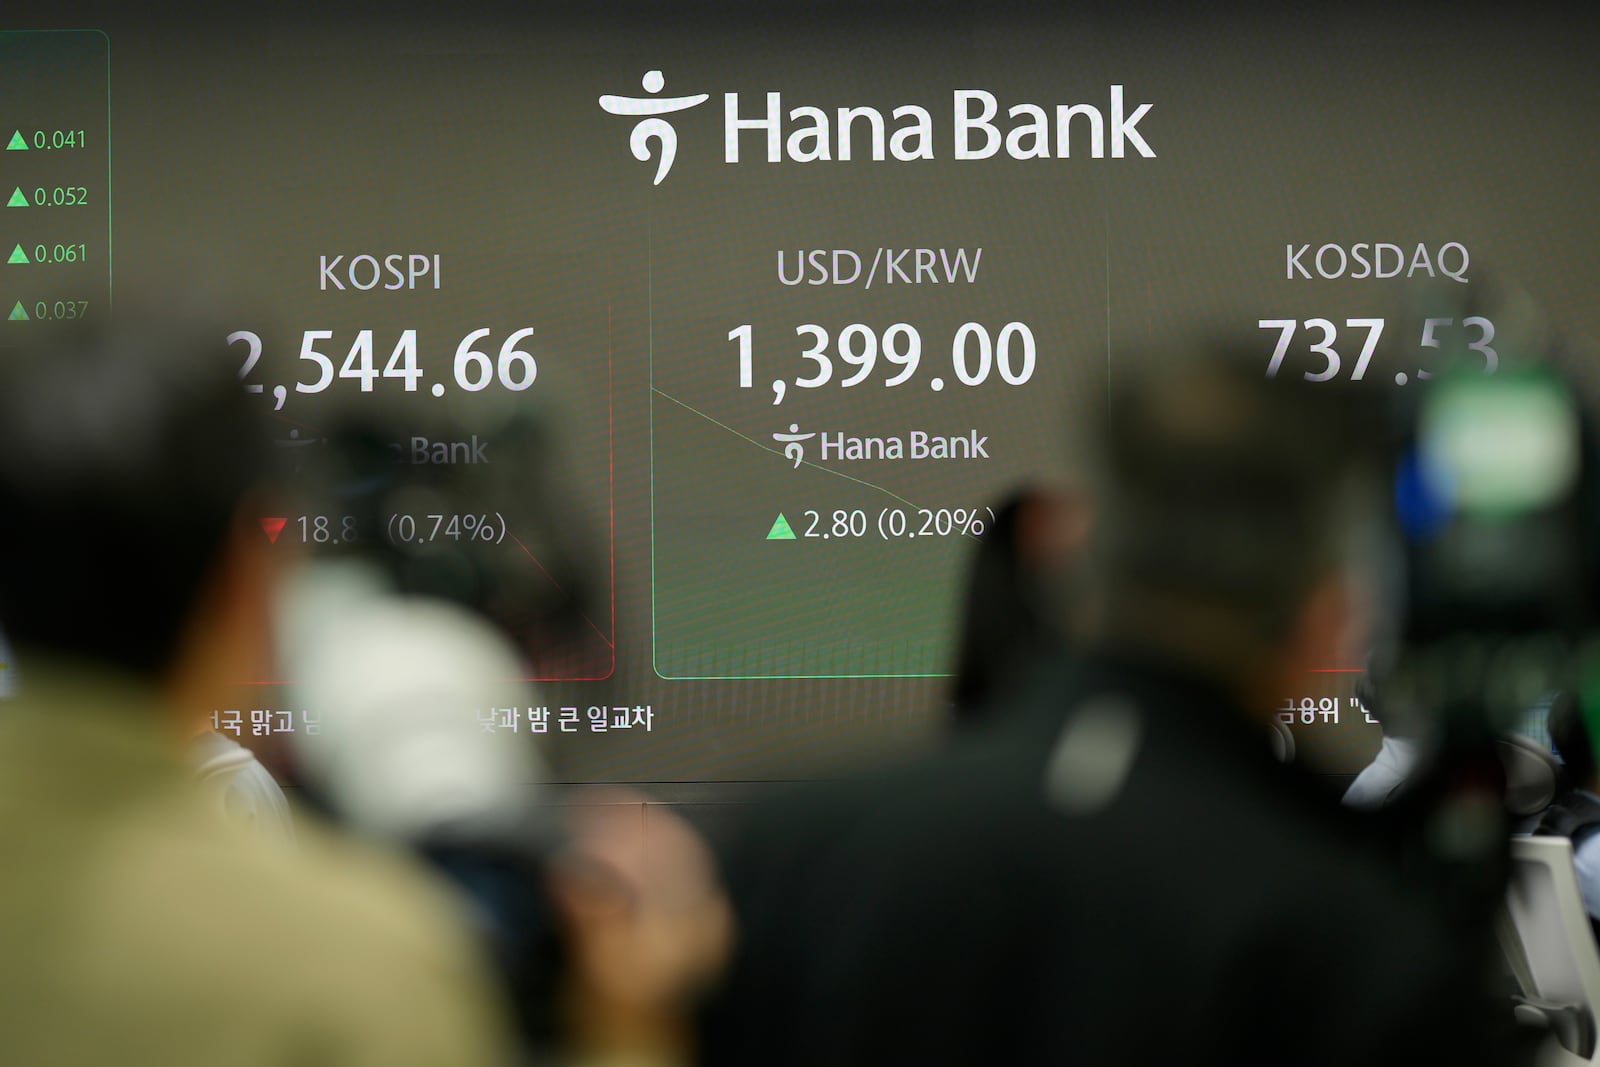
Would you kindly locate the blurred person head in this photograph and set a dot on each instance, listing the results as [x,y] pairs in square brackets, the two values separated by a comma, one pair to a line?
[400,681]
[648,928]
[1230,513]
[1010,617]
[126,451]
[1569,736]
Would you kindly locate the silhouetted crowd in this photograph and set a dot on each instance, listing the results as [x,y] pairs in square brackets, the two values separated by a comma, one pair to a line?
[1111,859]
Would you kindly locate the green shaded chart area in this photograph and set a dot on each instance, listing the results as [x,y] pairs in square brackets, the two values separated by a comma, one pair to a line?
[55,174]
[729,604]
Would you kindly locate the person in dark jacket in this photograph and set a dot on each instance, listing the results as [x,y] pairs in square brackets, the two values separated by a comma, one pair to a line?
[1011,617]
[1120,872]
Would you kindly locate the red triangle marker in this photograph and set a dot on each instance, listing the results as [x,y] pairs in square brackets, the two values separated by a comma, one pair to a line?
[273,527]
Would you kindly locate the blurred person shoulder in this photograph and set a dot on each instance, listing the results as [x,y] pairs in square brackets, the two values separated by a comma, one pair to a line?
[1231,892]
[140,925]
[329,949]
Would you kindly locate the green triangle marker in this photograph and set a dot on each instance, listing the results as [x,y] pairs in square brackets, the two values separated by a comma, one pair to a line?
[17,199]
[17,143]
[18,255]
[18,315]
[780,527]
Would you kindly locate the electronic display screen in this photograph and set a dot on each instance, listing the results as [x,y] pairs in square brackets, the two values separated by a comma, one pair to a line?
[789,299]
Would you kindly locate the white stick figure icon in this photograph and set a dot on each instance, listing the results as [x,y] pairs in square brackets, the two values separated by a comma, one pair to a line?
[658,128]
[792,448]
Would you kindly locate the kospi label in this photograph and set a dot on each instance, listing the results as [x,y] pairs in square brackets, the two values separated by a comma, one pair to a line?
[395,270]
[764,129]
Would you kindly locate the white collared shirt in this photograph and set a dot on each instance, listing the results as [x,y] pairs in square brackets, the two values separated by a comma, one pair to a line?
[1385,776]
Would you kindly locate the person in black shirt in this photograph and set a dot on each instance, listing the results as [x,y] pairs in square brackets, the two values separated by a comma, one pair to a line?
[1011,618]
[1120,872]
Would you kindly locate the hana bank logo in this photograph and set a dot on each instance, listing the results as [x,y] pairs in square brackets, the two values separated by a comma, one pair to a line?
[653,126]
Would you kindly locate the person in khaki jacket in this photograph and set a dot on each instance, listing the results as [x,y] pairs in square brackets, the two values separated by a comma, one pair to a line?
[137,927]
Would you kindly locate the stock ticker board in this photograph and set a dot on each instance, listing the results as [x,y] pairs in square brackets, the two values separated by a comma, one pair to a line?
[792,298]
